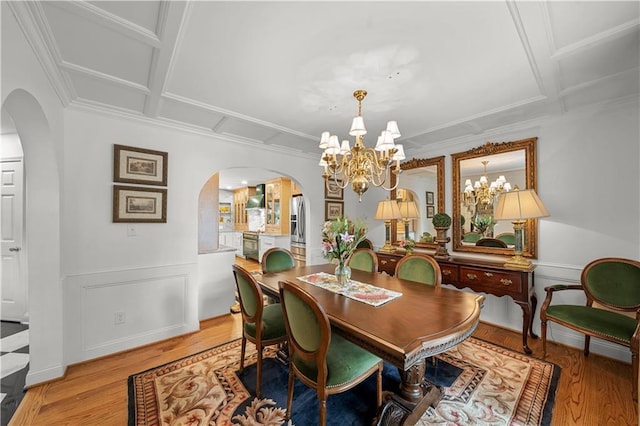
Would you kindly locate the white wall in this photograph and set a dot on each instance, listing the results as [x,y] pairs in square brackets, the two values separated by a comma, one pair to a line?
[588,178]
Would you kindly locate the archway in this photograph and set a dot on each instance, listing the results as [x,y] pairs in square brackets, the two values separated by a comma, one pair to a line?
[42,235]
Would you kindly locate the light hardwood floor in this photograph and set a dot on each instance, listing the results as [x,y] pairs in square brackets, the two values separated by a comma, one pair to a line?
[591,391]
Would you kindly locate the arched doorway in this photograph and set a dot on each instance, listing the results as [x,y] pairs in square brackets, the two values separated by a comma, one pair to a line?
[41,235]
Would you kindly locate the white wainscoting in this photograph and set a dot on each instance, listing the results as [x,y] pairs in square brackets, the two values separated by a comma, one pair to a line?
[216,285]
[153,303]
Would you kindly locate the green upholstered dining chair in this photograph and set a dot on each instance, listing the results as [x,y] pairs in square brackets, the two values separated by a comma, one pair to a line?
[366,243]
[363,259]
[509,238]
[277,259]
[322,360]
[491,242]
[612,289]
[419,268]
[262,325]
[471,237]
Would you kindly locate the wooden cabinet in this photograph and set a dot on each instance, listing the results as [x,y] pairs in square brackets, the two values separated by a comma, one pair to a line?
[240,198]
[485,277]
[277,205]
[295,189]
[270,241]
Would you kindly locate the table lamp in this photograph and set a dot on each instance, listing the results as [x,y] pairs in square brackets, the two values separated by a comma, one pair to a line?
[518,206]
[388,210]
[408,210]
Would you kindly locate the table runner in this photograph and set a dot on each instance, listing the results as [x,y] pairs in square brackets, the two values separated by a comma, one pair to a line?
[356,290]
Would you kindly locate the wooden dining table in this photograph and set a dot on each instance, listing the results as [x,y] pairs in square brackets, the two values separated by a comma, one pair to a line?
[405,331]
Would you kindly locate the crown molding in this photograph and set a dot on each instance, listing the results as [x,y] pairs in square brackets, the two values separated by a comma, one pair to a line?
[121,113]
[30,19]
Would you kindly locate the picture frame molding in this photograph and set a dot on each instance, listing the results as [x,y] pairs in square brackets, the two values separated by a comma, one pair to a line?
[329,205]
[431,211]
[337,195]
[122,155]
[430,198]
[120,214]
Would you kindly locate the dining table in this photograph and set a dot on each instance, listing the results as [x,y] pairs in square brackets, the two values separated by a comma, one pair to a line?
[401,321]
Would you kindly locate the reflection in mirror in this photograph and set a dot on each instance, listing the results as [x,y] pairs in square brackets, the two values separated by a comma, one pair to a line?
[421,185]
[480,175]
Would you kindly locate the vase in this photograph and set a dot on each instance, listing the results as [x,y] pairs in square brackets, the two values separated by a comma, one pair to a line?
[408,251]
[343,273]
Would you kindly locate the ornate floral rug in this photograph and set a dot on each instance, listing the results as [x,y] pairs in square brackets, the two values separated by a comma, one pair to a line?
[483,384]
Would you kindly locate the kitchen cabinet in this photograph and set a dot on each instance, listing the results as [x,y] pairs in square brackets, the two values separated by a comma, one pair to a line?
[277,204]
[240,198]
[269,241]
[237,243]
[295,189]
[485,277]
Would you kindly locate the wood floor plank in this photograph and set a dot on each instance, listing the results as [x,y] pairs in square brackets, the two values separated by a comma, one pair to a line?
[592,390]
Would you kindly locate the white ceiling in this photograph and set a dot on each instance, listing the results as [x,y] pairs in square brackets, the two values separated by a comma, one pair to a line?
[280,73]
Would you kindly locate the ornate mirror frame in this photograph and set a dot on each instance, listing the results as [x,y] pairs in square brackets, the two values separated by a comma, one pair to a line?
[416,163]
[529,248]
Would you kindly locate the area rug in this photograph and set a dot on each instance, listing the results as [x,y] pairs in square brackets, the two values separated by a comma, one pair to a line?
[483,384]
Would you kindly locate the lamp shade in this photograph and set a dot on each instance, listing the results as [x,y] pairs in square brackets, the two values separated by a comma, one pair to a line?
[388,210]
[517,205]
[408,209]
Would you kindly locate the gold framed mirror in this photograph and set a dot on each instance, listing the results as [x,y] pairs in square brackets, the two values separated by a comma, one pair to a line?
[421,183]
[505,166]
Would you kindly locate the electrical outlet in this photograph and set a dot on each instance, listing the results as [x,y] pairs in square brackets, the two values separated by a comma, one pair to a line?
[118,317]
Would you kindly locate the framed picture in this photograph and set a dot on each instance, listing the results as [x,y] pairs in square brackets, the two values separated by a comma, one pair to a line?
[333,209]
[136,204]
[430,211]
[137,165]
[429,198]
[334,192]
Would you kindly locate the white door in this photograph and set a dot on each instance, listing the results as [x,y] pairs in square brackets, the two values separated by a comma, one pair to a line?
[14,287]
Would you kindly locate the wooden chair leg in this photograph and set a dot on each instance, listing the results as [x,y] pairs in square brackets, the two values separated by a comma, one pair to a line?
[322,405]
[379,389]
[242,351]
[259,371]
[635,378]
[290,393]
[587,341]
[543,327]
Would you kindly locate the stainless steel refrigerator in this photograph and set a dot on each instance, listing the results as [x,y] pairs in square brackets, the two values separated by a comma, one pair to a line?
[297,220]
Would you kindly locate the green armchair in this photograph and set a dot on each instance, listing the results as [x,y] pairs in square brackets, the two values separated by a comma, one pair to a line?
[613,284]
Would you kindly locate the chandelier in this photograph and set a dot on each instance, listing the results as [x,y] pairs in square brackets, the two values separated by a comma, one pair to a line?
[359,165]
[482,192]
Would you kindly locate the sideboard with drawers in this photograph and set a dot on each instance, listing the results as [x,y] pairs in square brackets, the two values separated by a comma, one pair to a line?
[485,277]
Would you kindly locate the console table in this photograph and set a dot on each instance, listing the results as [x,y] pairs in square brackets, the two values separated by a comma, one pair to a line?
[486,277]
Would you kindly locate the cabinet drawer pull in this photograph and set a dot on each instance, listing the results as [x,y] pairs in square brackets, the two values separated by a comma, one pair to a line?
[446,272]
[506,281]
[488,274]
[472,276]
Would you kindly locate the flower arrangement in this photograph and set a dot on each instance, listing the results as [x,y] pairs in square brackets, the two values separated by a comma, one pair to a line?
[408,245]
[483,223]
[340,237]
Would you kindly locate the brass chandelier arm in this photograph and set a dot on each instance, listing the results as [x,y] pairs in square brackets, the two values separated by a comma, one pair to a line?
[361,166]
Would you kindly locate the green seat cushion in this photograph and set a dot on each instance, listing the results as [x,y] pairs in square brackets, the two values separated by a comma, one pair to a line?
[599,321]
[361,261]
[272,323]
[278,261]
[345,362]
[418,270]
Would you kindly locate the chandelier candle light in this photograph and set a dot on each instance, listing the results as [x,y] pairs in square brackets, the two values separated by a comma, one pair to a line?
[482,192]
[359,165]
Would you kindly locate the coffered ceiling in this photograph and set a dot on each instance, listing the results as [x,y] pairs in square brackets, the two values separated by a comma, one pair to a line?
[280,73]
